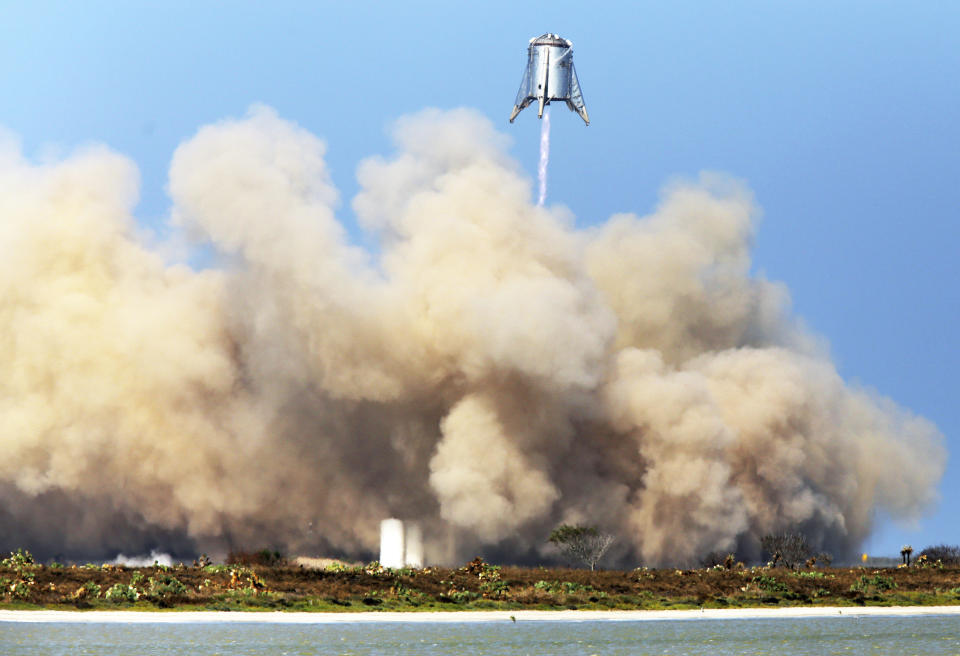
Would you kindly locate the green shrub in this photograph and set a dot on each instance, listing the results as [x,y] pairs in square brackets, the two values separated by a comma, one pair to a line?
[770,584]
[556,587]
[216,569]
[496,588]
[552,587]
[21,589]
[120,593]
[22,563]
[374,568]
[463,596]
[811,575]
[164,587]
[93,589]
[571,587]
[489,572]
[19,559]
[875,583]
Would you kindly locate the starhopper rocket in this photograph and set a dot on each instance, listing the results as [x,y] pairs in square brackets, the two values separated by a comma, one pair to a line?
[550,75]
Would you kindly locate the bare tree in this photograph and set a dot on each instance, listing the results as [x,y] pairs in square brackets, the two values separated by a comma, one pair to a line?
[583,543]
[787,549]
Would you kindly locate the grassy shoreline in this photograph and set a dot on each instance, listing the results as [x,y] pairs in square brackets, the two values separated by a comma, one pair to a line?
[475,587]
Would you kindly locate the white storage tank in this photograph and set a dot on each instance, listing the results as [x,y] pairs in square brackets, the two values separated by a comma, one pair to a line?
[401,544]
[391,543]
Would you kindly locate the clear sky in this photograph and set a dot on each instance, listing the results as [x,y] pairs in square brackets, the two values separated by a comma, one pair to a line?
[840,116]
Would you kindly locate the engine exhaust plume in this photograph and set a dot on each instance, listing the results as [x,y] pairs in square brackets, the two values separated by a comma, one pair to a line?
[544,156]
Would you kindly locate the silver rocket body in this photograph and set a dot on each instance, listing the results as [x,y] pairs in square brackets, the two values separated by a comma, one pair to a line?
[550,76]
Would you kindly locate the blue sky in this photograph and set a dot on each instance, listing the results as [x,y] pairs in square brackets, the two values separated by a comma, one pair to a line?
[840,116]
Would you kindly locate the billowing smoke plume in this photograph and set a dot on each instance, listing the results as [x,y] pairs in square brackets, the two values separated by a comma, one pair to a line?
[491,371]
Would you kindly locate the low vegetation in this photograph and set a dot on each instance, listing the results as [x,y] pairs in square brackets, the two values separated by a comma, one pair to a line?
[477,585]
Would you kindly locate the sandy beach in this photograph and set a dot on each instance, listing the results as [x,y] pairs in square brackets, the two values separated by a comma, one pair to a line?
[467,616]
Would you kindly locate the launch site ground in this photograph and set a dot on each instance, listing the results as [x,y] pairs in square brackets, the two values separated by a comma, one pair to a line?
[475,587]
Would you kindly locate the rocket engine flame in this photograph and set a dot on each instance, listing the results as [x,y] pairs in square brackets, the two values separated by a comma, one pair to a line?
[491,371]
[544,157]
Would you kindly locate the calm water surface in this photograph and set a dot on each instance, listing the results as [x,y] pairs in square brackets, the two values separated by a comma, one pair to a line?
[873,635]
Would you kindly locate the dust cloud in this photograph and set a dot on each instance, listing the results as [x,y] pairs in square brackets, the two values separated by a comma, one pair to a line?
[489,371]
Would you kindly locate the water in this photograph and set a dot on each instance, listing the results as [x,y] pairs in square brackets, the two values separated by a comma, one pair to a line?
[869,635]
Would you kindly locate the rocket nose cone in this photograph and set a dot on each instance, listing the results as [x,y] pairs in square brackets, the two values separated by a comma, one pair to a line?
[550,40]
